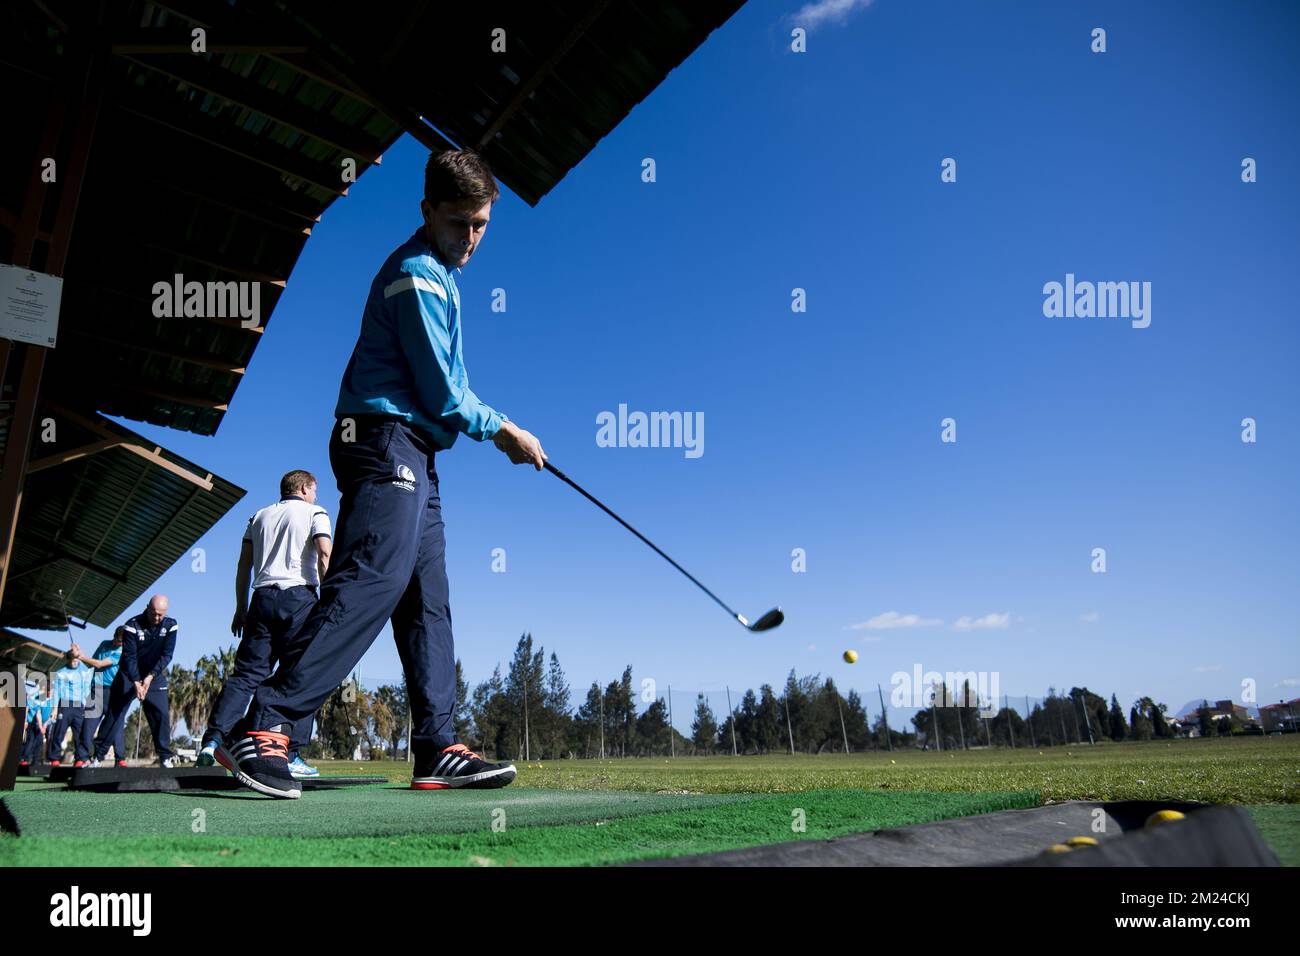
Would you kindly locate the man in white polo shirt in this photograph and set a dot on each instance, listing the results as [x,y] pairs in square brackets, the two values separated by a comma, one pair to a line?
[285,553]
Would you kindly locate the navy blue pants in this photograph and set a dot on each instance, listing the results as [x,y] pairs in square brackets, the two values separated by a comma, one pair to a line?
[388,563]
[71,715]
[32,744]
[155,711]
[274,617]
[96,714]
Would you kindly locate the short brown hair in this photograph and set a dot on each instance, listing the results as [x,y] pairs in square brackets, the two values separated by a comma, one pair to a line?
[457,174]
[294,480]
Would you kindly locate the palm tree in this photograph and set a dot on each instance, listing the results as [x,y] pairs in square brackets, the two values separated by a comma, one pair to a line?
[211,674]
[180,693]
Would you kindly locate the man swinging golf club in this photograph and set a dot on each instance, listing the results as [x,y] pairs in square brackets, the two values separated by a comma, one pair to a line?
[405,396]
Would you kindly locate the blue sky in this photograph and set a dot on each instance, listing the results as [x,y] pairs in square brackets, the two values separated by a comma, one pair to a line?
[821,171]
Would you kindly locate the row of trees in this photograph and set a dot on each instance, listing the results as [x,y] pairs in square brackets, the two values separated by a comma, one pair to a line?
[527,713]
[1079,716]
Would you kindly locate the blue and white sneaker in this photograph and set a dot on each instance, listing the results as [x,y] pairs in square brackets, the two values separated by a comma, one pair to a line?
[208,755]
[300,769]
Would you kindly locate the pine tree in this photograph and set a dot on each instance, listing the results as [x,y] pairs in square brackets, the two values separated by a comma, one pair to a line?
[1118,729]
[746,723]
[704,729]
[627,709]
[559,720]
[769,729]
[855,722]
[652,729]
[586,724]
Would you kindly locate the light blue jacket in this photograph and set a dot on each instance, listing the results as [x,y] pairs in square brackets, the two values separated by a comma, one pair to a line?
[407,361]
[72,684]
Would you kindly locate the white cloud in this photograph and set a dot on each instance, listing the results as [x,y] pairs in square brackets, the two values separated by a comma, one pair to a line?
[1285,682]
[892,619]
[813,15]
[987,622]
[1092,617]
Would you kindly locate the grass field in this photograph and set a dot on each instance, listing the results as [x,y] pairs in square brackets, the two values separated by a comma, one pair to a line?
[1242,770]
[590,811]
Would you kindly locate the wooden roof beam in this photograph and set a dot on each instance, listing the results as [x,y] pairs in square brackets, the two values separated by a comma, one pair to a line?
[278,106]
[243,144]
[192,358]
[100,289]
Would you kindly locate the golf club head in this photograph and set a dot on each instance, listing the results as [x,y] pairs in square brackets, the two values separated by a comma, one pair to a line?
[771,619]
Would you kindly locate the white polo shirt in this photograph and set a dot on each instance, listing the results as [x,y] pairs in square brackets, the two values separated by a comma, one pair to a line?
[284,536]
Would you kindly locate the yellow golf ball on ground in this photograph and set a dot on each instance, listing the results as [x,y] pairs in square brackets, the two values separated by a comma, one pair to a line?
[1081,841]
[850,657]
[1164,816]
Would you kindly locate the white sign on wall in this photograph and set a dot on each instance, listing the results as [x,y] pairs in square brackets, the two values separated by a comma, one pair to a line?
[29,305]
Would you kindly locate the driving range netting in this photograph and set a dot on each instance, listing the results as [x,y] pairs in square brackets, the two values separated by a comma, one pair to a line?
[383,824]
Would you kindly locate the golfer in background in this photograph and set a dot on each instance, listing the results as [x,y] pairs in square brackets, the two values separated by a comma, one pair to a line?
[106,660]
[72,685]
[285,553]
[149,640]
[405,397]
[39,709]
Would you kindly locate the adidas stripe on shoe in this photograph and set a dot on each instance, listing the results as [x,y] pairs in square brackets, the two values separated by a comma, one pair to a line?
[459,767]
[260,761]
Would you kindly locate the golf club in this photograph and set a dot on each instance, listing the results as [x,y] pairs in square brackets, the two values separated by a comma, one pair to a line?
[67,621]
[771,619]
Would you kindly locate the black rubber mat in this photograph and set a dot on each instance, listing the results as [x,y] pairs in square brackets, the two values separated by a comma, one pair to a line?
[161,780]
[1209,836]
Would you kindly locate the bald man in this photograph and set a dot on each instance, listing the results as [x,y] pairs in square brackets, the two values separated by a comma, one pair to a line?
[147,648]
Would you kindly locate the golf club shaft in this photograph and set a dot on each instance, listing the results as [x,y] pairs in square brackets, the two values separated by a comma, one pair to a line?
[595,501]
[67,621]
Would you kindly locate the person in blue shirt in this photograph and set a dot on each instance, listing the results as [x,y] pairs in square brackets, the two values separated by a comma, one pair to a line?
[71,687]
[405,397]
[39,710]
[149,640]
[105,662]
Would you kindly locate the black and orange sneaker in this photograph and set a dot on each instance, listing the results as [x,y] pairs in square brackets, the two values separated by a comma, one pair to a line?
[457,766]
[260,761]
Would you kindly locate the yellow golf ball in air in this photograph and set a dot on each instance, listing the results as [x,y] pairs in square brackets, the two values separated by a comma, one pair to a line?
[1163,816]
[1081,841]
[850,657]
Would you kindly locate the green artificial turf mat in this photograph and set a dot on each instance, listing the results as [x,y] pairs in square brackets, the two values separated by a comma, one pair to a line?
[374,810]
[541,827]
